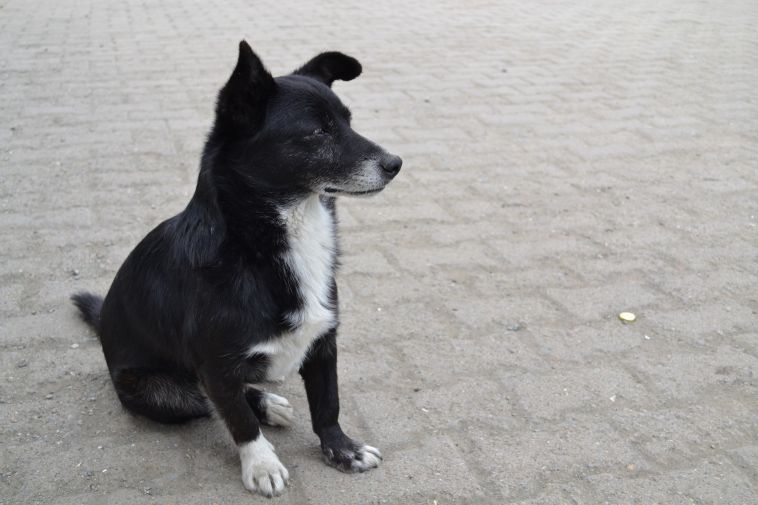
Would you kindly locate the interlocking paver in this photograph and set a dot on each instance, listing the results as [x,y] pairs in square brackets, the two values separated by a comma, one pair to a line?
[562,163]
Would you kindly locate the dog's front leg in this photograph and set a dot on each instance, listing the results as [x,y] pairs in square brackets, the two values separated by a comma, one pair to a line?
[262,471]
[319,372]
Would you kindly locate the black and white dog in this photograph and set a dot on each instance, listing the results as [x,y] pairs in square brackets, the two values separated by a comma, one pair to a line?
[238,289]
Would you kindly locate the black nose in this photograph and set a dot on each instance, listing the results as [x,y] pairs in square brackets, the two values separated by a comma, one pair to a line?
[391,164]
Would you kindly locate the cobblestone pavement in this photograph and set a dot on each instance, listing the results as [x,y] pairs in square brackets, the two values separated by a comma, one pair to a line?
[564,161]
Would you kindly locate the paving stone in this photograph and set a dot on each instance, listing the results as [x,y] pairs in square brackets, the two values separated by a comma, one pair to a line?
[561,165]
[713,482]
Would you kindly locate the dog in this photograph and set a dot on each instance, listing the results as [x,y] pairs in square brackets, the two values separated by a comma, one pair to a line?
[238,289]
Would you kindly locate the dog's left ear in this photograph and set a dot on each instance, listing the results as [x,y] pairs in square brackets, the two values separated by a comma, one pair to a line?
[328,67]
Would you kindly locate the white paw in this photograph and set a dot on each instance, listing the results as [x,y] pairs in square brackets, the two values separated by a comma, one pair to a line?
[278,410]
[367,457]
[262,472]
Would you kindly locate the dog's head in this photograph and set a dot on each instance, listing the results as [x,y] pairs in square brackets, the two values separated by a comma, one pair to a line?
[292,134]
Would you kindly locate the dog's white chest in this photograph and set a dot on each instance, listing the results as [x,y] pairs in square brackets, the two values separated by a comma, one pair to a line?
[311,256]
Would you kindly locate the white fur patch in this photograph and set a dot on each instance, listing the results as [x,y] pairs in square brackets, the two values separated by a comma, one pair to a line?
[262,471]
[369,458]
[311,255]
[278,409]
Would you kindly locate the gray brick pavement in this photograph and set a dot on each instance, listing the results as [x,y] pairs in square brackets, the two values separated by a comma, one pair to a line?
[564,161]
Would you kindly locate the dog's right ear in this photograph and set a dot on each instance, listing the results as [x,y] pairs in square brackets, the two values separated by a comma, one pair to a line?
[242,101]
[330,66]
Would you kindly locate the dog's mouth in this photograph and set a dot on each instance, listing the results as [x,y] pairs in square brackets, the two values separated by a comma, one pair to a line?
[368,192]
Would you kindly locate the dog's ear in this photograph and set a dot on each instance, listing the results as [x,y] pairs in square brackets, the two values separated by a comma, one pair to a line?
[242,100]
[328,67]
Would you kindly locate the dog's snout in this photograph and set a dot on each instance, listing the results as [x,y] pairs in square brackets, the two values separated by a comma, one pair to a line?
[391,164]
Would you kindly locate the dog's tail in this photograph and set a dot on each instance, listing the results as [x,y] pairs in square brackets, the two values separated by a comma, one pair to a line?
[89,306]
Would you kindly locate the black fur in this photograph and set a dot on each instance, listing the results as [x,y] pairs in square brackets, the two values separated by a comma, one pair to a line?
[330,66]
[206,285]
[89,306]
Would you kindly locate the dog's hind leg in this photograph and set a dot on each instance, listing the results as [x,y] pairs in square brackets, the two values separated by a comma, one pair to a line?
[270,409]
[162,396]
